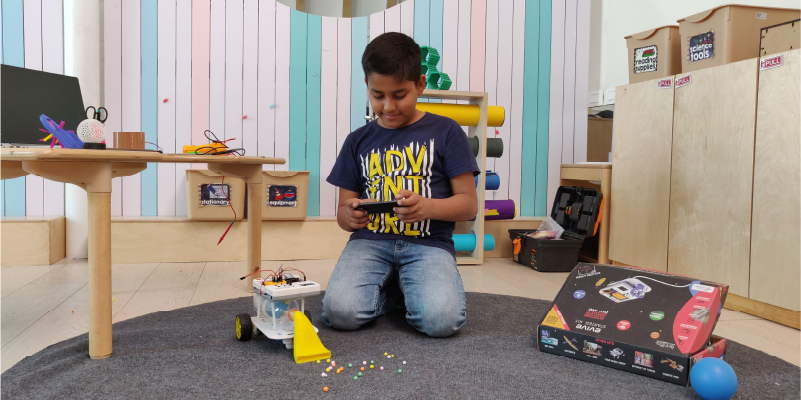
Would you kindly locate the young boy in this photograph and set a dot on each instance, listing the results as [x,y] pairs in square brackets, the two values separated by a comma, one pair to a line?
[423,161]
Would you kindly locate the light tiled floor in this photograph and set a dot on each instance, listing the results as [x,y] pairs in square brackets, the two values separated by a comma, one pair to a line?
[43,305]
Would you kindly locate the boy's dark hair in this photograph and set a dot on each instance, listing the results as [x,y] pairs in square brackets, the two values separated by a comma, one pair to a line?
[393,54]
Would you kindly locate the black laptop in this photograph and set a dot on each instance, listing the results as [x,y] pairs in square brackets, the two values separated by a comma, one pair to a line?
[25,94]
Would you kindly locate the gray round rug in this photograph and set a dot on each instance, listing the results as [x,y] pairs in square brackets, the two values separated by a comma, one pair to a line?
[193,353]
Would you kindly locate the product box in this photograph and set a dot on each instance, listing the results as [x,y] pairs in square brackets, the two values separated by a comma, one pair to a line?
[286,195]
[206,196]
[599,139]
[647,322]
[727,34]
[578,211]
[653,54]
[780,38]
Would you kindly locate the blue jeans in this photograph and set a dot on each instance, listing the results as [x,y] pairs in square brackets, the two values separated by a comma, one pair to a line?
[373,276]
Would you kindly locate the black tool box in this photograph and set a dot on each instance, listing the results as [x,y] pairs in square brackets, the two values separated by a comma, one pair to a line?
[575,208]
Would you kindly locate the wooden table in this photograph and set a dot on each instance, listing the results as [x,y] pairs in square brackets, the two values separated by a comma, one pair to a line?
[93,170]
[597,172]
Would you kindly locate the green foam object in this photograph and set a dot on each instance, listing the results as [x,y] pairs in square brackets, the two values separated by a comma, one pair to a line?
[434,79]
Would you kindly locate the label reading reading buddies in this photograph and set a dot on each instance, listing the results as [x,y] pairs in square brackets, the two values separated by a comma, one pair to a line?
[645,59]
[700,47]
[214,194]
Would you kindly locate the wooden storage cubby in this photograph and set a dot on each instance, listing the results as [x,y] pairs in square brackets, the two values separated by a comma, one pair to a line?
[480,131]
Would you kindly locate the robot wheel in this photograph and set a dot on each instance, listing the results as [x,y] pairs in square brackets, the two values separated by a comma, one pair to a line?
[244,327]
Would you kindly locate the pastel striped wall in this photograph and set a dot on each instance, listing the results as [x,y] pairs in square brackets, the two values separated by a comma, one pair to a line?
[32,37]
[288,84]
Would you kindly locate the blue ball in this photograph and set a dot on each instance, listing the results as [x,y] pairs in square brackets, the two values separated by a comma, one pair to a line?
[713,379]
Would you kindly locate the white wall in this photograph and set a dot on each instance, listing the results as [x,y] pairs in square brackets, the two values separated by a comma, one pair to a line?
[333,8]
[620,18]
[326,8]
[363,8]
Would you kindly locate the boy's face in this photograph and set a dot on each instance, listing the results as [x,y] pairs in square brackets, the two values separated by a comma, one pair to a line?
[394,101]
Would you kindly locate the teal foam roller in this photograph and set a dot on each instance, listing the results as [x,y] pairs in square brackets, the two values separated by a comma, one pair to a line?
[467,242]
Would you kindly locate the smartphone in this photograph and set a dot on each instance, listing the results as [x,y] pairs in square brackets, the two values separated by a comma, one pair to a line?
[379,207]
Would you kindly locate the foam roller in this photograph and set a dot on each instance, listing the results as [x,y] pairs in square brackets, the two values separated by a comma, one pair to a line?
[465,114]
[493,181]
[467,242]
[499,209]
[494,146]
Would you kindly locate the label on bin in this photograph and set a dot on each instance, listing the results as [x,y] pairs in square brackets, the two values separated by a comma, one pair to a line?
[214,194]
[645,59]
[282,196]
[701,47]
[683,81]
[665,83]
[771,62]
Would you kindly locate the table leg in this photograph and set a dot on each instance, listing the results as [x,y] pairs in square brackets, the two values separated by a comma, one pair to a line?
[252,174]
[99,274]
[603,238]
[95,178]
[254,232]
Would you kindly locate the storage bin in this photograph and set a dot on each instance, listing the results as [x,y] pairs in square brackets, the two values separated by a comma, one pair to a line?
[286,195]
[655,53]
[206,200]
[545,255]
[727,34]
[780,38]
[576,209]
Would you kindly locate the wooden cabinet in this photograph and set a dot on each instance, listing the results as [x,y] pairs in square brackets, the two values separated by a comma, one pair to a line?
[639,206]
[706,179]
[776,223]
[712,174]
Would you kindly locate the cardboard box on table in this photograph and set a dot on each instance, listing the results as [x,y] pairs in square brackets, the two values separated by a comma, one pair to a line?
[726,34]
[647,322]
[653,54]
[286,195]
[205,199]
[599,139]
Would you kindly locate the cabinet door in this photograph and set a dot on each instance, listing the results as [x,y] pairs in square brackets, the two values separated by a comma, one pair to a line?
[776,222]
[641,148]
[712,173]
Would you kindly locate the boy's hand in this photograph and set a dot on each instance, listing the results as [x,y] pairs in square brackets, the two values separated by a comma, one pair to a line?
[412,207]
[356,219]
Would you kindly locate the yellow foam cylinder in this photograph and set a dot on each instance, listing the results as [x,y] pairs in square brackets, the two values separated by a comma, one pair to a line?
[308,346]
[465,114]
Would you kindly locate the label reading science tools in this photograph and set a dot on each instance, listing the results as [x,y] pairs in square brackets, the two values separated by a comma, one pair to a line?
[701,47]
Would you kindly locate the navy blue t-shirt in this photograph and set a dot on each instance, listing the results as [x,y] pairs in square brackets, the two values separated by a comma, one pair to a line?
[422,157]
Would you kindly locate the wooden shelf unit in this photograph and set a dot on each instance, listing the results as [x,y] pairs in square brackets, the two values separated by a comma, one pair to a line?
[479,131]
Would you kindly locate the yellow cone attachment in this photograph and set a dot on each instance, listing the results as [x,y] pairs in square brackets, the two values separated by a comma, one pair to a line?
[308,346]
